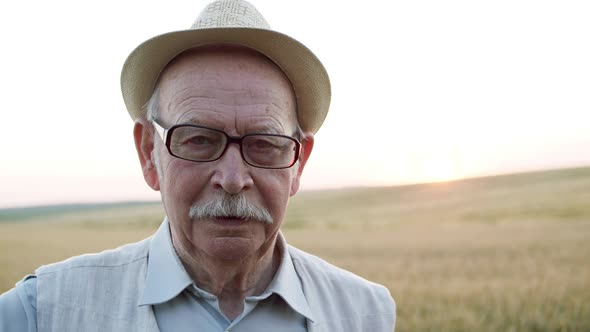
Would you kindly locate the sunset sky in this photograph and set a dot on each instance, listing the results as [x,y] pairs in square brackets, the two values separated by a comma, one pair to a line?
[422,91]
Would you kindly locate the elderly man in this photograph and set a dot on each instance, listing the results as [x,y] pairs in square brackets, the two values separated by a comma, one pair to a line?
[225,115]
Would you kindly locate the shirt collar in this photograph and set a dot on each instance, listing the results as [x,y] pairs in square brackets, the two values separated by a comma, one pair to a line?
[166,277]
[286,282]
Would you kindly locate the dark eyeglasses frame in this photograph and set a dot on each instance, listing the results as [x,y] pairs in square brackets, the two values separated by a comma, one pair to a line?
[166,134]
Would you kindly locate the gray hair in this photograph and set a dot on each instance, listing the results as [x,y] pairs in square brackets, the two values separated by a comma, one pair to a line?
[230,206]
[151,114]
[151,107]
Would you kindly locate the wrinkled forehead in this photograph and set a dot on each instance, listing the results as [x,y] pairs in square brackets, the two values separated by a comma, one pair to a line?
[224,73]
[228,55]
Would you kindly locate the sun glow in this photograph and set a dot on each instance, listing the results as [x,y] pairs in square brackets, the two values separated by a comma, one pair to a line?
[439,167]
[440,170]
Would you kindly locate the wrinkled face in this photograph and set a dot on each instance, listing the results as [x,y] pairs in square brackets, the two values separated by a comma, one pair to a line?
[239,92]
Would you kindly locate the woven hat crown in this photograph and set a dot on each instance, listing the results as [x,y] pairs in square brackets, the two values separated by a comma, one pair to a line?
[230,13]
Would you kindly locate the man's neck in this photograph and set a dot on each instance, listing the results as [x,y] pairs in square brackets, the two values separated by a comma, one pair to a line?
[233,281]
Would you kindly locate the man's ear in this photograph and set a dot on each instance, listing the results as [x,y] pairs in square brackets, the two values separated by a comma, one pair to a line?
[144,144]
[306,147]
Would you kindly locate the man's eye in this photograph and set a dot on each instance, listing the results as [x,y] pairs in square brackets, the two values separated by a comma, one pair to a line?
[265,144]
[202,140]
[262,144]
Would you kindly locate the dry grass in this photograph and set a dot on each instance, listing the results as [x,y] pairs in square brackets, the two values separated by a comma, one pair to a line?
[496,254]
[482,277]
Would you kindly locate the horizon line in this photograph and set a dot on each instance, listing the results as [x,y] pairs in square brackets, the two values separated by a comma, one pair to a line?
[344,187]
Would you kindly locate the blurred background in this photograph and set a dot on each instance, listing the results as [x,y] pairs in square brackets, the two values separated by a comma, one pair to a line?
[453,166]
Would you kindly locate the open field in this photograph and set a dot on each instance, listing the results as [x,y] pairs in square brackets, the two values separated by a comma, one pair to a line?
[507,253]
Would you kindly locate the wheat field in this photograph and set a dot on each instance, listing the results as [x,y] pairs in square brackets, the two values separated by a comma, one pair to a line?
[505,253]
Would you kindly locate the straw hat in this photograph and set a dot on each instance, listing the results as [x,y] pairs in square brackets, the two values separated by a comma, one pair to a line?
[231,22]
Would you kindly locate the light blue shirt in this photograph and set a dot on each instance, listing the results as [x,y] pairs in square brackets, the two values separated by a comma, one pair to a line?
[179,304]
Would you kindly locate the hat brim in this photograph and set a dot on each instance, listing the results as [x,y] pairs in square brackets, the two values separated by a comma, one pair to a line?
[305,71]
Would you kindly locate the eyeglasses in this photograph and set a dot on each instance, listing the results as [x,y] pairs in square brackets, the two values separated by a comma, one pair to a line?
[202,144]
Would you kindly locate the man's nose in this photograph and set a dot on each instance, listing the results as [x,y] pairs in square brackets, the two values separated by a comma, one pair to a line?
[232,174]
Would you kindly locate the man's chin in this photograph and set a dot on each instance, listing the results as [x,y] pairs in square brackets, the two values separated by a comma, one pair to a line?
[230,248]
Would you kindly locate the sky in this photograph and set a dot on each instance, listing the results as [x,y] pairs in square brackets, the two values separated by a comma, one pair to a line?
[421,91]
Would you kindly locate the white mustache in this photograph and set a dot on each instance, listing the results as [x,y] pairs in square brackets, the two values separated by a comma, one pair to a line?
[229,206]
